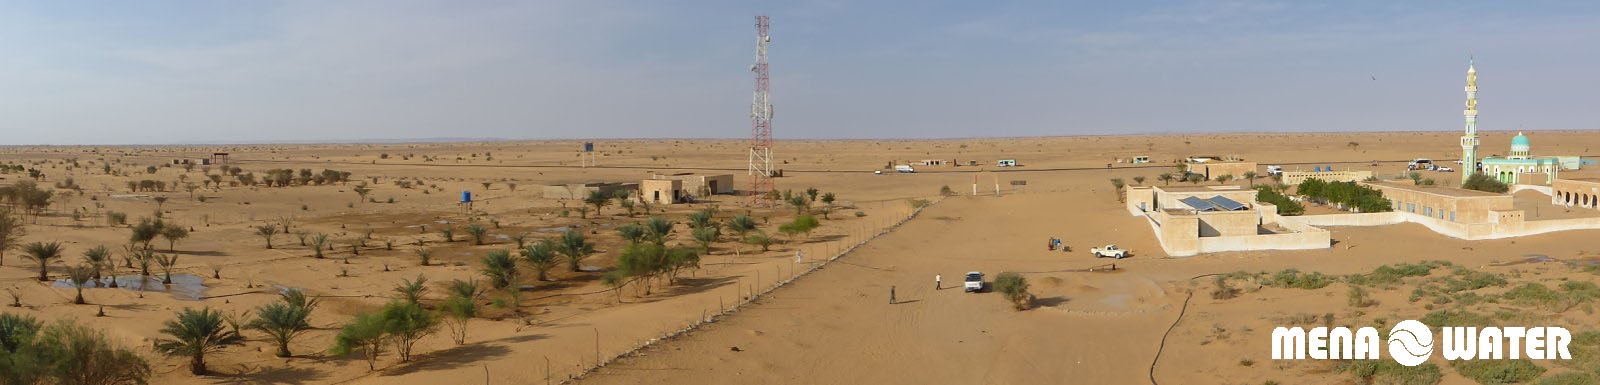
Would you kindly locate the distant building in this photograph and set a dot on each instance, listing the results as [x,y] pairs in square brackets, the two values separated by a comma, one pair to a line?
[1210,169]
[1583,193]
[702,185]
[582,190]
[1295,177]
[1189,220]
[663,191]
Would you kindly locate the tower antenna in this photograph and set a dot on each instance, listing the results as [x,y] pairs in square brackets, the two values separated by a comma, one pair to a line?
[760,168]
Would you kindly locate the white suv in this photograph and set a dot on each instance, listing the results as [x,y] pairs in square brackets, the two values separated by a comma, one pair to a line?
[974,282]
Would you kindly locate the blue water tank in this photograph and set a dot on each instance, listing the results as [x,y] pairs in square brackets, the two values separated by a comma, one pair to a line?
[466,196]
[1328,168]
[1317,169]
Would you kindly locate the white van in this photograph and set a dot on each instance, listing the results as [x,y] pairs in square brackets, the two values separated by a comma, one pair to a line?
[904,169]
[1006,163]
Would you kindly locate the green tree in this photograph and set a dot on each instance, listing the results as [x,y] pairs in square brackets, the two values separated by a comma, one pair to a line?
[800,204]
[285,320]
[575,247]
[174,233]
[194,334]
[598,199]
[68,353]
[741,225]
[407,323]
[1251,176]
[1117,182]
[366,333]
[500,268]
[42,253]
[706,236]
[622,200]
[827,204]
[12,229]
[448,231]
[146,231]
[759,239]
[167,263]
[1483,182]
[657,229]
[319,243]
[1166,178]
[541,256]
[801,224]
[457,310]
[632,232]
[1015,289]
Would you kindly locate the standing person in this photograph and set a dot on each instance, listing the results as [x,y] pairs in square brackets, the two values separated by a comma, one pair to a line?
[891,295]
[937,279]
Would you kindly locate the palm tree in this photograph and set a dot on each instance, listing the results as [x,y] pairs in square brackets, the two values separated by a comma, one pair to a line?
[598,199]
[575,246]
[98,258]
[42,253]
[1166,178]
[425,255]
[1138,180]
[412,290]
[80,274]
[1117,182]
[800,204]
[477,231]
[11,231]
[759,239]
[266,232]
[318,243]
[283,321]
[167,262]
[194,334]
[449,232]
[521,239]
[1223,179]
[742,225]
[500,268]
[658,229]
[1251,175]
[541,256]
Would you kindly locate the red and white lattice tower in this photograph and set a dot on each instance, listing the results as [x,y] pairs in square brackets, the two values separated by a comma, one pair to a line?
[760,170]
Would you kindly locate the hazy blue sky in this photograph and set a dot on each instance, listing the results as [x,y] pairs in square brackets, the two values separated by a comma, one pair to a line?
[78,72]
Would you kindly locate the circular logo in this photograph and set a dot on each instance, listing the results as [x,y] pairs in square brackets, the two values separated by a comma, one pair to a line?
[1410,343]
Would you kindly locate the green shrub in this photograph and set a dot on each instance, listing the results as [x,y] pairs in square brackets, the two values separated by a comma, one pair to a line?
[1492,372]
[1585,349]
[1386,371]
[1015,289]
[1292,278]
[1440,318]
[1569,378]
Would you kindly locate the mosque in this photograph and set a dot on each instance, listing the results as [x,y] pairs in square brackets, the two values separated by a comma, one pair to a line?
[1511,168]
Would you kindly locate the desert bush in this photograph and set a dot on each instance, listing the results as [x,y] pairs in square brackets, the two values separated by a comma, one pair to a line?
[1222,290]
[1292,278]
[1483,182]
[1387,371]
[1358,297]
[1498,371]
[1569,378]
[1015,289]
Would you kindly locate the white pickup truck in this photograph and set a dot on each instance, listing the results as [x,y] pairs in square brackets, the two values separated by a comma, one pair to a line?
[974,282]
[1110,251]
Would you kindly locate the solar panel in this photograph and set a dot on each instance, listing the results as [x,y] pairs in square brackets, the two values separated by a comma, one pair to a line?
[1226,204]
[1199,204]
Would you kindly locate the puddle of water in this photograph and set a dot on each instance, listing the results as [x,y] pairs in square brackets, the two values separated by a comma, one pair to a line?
[1539,258]
[188,287]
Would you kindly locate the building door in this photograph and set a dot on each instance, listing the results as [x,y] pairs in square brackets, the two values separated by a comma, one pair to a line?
[656,197]
[711,185]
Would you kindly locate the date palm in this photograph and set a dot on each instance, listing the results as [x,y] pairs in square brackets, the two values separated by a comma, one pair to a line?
[541,256]
[575,247]
[43,253]
[195,333]
[167,263]
[98,258]
[285,320]
[80,275]
[12,229]
[266,232]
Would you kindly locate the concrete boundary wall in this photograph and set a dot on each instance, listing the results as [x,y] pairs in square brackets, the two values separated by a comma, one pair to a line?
[1474,231]
[1290,241]
[1546,190]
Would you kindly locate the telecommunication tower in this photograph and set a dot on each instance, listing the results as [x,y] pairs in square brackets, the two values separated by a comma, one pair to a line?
[760,169]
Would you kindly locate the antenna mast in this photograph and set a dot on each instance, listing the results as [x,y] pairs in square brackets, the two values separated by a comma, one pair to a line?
[760,168]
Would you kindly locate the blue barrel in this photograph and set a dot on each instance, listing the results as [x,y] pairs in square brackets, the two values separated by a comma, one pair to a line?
[466,196]
[1328,168]
[1316,169]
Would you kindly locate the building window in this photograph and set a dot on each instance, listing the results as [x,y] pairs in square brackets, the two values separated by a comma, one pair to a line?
[1427,211]
[1452,216]
[1411,207]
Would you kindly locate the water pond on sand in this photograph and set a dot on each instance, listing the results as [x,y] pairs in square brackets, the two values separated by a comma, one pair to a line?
[188,287]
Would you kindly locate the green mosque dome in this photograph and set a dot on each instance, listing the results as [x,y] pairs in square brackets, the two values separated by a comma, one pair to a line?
[1520,140]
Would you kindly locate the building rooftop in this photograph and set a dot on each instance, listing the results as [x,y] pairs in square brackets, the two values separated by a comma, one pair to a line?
[1437,190]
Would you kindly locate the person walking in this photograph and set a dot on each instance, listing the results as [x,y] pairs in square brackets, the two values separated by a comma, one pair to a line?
[937,279]
[891,295]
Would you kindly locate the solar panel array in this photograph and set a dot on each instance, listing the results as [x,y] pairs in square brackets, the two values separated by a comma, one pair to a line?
[1215,203]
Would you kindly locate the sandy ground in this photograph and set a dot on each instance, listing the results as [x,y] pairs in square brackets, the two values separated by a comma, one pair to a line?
[834,326]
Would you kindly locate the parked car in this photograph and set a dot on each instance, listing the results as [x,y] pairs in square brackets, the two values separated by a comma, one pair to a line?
[1109,251]
[974,282]
[904,169]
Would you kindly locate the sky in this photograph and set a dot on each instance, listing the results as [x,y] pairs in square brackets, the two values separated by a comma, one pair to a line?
[165,72]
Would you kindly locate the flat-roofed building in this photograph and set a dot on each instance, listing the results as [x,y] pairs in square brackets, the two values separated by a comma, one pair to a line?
[1576,192]
[702,185]
[1211,169]
[1445,203]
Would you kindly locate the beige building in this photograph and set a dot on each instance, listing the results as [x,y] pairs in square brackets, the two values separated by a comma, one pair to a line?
[582,190]
[1295,177]
[1189,220]
[663,191]
[1577,192]
[702,185]
[1446,203]
[1210,169]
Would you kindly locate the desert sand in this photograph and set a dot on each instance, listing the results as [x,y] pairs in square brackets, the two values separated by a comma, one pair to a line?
[834,325]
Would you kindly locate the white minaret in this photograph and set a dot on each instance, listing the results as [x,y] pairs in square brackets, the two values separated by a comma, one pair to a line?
[1469,139]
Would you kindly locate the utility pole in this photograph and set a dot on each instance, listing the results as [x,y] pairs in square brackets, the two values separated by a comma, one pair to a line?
[760,168]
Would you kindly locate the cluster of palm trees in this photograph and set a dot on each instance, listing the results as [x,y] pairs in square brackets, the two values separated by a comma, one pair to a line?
[27,195]
[647,255]
[501,268]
